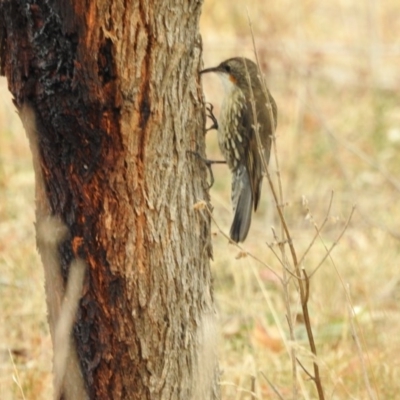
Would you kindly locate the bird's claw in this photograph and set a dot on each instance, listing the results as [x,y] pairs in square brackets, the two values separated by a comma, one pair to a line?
[210,114]
[208,164]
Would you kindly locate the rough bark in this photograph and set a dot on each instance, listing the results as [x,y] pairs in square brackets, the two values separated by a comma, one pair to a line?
[109,95]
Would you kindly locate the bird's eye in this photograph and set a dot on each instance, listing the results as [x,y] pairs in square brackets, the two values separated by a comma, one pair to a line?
[227,68]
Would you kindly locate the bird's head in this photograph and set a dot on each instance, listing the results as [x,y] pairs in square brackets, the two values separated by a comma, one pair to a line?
[236,72]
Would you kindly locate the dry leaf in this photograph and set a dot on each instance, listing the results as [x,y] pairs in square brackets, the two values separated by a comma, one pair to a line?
[241,254]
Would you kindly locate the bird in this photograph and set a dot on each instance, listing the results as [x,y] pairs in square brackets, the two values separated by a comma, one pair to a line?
[246,105]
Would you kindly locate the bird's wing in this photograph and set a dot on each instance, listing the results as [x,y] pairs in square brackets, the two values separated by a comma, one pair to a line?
[253,118]
[248,166]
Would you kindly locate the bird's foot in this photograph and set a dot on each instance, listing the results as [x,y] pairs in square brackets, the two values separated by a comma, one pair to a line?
[210,114]
[208,164]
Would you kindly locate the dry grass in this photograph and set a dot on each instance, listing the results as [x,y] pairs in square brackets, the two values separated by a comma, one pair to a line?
[334,70]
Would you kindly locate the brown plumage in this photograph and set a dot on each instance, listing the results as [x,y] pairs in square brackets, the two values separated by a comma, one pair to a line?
[237,138]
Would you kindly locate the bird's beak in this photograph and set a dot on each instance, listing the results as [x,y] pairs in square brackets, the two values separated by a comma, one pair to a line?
[213,69]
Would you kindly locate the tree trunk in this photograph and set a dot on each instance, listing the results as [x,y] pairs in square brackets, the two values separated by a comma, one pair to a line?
[110,98]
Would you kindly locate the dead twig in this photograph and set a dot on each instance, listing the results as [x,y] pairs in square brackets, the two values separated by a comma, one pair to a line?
[305,370]
[334,244]
[276,391]
[307,284]
[318,229]
[278,199]
[242,250]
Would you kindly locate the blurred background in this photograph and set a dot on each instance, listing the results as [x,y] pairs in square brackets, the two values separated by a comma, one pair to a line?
[334,71]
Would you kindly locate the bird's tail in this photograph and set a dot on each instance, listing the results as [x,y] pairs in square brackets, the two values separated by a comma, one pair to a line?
[242,202]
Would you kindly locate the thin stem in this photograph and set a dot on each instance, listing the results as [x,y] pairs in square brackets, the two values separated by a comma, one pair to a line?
[272,386]
[242,250]
[329,251]
[318,230]
[278,199]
